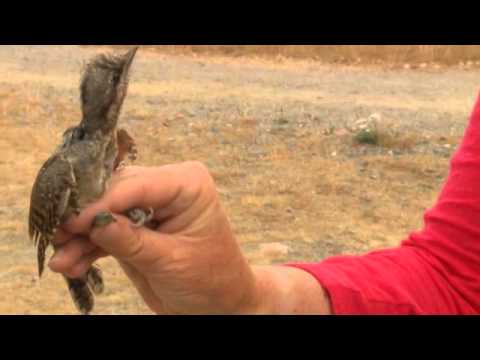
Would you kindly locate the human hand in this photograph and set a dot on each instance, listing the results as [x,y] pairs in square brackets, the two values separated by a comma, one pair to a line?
[186,261]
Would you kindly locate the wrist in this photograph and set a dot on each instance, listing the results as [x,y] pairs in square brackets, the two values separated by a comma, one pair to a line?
[282,290]
[263,295]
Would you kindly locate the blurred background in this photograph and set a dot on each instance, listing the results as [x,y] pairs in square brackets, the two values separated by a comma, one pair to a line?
[316,150]
[394,54]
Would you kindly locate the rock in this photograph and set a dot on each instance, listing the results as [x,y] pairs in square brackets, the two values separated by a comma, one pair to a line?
[249,122]
[256,151]
[273,249]
[223,191]
[367,124]
[342,132]
[361,124]
[375,117]
[329,131]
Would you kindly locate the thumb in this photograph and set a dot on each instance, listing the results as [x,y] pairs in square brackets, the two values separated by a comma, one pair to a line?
[139,247]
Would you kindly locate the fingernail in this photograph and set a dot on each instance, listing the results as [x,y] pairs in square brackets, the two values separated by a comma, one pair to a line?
[103,219]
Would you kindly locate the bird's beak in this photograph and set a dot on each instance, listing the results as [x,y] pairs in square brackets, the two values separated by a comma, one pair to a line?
[129,57]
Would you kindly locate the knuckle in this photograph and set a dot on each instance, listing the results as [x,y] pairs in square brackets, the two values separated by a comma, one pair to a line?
[77,272]
[197,167]
[200,172]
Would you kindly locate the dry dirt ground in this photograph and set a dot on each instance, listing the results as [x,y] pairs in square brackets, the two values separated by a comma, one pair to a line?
[274,136]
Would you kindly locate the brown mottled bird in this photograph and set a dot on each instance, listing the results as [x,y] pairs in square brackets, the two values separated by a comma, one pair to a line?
[76,175]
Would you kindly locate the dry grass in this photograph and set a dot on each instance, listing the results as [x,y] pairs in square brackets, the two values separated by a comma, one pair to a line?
[388,139]
[444,54]
[285,196]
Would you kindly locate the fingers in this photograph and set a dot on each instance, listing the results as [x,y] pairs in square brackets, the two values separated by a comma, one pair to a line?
[80,269]
[143,287]
[168,189]
[139,247]
[67,255]
[61,237]
[75,257]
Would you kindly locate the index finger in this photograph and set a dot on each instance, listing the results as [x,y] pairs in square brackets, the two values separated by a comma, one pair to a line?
[169,188]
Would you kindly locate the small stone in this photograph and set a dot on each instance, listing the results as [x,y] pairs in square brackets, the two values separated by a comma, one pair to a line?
[273,249]
[249,122]
[342,132]
[375,117]
[223,191]
[361,121]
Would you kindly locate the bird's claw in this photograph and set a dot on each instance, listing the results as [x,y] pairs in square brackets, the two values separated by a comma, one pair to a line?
[121,166]
[140,217]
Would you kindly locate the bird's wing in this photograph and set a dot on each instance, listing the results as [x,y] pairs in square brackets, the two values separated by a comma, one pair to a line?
[51,195]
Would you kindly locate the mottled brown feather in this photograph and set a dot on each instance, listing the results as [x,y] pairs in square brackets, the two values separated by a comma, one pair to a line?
[53,183]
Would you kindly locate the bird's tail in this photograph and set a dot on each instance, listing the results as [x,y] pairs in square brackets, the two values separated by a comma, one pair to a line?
[82,290]
[95,280]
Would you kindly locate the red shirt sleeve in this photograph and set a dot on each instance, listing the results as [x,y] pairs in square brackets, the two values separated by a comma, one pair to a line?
[434,271]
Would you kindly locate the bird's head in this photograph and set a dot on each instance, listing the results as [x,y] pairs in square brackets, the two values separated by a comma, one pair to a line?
[103,89]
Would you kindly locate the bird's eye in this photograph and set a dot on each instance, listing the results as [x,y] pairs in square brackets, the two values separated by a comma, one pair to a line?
[79,134]
[115,79]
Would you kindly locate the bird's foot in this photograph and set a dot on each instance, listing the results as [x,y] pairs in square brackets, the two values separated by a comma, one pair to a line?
[140,217]
[133,153]
[121,166]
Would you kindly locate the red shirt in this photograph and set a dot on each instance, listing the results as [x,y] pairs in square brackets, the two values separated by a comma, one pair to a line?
[434,271]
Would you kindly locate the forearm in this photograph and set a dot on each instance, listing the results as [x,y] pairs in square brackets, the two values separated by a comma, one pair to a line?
[288,291]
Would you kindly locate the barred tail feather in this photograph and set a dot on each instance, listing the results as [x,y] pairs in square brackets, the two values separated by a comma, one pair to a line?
[81,294]
[95,280]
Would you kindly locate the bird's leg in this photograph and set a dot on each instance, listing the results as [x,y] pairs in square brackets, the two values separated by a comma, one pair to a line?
[138,217]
